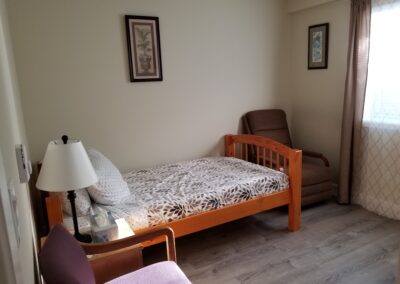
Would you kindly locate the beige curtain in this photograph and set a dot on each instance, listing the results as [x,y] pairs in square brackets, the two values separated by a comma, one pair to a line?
[376,179]
[356,81]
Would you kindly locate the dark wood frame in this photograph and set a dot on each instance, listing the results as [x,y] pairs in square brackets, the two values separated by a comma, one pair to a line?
[132,51]
[325,47]
[269,154]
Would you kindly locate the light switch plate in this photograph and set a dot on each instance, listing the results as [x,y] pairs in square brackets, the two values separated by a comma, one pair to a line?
[24,165]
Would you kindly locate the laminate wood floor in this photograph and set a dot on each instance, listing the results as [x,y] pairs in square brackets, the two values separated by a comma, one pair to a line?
[336,244]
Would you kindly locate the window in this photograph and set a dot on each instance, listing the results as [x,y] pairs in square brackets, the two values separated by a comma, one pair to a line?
[382,102]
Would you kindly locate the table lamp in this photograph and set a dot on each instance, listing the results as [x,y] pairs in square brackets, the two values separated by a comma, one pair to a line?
[66,167]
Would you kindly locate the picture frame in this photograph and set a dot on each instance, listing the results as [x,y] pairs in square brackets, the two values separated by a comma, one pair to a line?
[318,44]
[144,49]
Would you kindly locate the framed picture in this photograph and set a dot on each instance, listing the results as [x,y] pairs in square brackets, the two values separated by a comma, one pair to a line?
[144,52]
[318,41]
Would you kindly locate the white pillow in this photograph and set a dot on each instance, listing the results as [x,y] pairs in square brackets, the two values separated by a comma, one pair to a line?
[82,202]
[111,188]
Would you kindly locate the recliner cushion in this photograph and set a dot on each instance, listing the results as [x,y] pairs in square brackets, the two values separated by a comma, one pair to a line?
[313,173]
[276,119]
[280,135]
[316,189]
[317,197]
[268,123]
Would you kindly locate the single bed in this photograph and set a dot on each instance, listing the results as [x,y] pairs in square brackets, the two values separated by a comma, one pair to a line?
[194,195]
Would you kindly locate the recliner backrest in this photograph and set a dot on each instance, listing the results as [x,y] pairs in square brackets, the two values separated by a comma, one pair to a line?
[269,123]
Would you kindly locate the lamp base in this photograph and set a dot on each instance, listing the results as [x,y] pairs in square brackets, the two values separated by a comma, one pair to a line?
[83,238]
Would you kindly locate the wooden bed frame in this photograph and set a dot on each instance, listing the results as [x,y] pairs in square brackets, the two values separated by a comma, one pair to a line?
[269,153]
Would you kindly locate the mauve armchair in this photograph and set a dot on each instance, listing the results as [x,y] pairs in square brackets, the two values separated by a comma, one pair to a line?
[316,173]
[63,260]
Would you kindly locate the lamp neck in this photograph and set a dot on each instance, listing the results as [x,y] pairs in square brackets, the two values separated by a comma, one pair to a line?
[64,138]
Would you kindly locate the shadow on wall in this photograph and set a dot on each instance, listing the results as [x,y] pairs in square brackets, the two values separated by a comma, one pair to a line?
[218,149]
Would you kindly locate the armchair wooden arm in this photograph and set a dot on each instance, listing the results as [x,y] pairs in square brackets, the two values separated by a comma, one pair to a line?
[149,235]
[316,155]
[119,257]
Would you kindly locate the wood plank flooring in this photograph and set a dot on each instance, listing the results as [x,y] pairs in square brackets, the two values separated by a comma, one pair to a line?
[337,244]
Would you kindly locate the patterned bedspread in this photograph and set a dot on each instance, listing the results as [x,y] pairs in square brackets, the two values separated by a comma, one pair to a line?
[174,191]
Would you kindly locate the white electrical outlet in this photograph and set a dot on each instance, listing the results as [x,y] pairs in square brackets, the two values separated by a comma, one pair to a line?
[24,165]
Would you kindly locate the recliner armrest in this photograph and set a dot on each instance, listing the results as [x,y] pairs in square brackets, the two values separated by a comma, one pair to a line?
[316,155]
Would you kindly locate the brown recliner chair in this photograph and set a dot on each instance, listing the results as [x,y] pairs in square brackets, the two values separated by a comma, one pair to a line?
[316,174]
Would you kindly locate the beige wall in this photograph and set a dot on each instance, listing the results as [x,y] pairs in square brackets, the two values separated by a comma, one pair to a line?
[220,59]
[317,95]
[16,260]
[297,5]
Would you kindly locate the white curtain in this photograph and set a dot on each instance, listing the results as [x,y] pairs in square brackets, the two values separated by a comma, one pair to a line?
[376,181]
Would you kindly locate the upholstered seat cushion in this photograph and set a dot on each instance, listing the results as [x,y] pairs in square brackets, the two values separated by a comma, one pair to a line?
[313,173]
[158,273]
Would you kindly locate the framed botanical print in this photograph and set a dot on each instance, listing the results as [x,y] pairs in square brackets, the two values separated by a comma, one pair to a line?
[144,52]
[318,43]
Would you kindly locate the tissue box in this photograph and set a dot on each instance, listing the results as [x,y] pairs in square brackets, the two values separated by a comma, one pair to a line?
[104,228]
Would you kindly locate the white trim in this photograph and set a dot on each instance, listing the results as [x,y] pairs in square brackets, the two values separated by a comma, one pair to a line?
[8,243]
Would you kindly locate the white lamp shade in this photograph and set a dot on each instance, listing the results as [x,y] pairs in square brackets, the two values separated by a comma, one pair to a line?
[66,167]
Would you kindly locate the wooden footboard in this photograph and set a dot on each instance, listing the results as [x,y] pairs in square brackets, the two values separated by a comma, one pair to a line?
[272,154]
[267,152]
